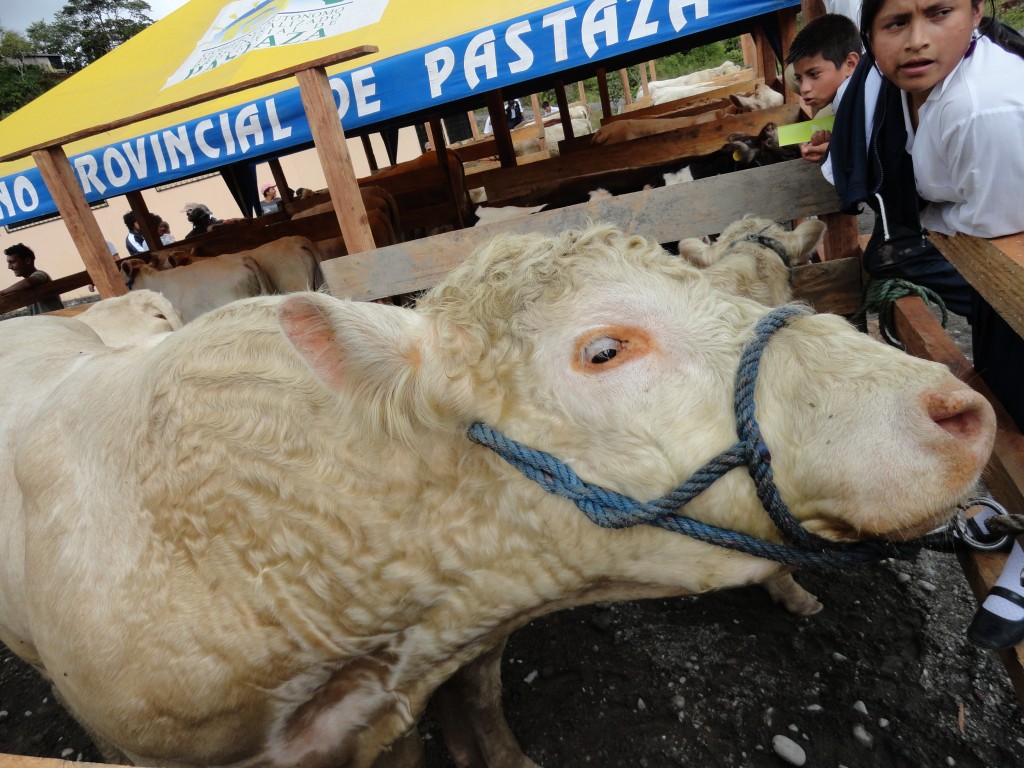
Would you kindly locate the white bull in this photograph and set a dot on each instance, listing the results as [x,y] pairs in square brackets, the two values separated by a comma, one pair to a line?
[203,285]
[135,318]
[268,540]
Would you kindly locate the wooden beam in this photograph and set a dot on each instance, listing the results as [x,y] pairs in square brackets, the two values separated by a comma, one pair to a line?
[538,120]
[644,152]
[371,158]
[280,179]
[624,79]
[78,217]
[473,126]
[499,128]
[664,214]
[749,49]
[563,110]
[602,89]
[643,79]
[267,77]
[145,219]
[995,268]
[329,138]
[840,237]
[922,336]
[441,147]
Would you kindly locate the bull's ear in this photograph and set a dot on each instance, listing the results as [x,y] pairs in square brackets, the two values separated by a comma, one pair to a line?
[361,344]
[695,250]
[802,240]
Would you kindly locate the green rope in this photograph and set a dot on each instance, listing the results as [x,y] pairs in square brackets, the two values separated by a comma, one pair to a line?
[880,296]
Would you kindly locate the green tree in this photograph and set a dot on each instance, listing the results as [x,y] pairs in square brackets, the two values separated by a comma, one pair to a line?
[20,80]
[84,30]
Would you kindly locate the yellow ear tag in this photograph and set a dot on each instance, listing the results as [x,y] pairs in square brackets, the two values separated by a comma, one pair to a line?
[736,155]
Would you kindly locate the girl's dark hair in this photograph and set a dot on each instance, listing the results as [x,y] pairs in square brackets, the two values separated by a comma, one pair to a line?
[1002,35]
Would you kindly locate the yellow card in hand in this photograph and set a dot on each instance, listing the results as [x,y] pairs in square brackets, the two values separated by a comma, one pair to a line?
[798,133]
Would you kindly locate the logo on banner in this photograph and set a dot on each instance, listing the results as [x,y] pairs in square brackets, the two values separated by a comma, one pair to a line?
[252,25]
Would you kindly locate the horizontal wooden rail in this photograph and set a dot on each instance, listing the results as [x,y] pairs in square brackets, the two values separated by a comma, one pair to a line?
[648,151]
[994,267]
[924,337]
[782,192]
[679,107]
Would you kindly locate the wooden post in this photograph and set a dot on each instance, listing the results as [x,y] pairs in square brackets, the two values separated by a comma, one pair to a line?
[329,138]
[643,79]
[654,76]
[749,49]
[766,60]
[624,77]
[812,9]
[280,179]
[430,135]
[563,110]
[787,29]
[582,92]
[500,130]
[441,147]
[371,159]
[538,119]
[78,217]
[472,124]
[602,89]
[145,219]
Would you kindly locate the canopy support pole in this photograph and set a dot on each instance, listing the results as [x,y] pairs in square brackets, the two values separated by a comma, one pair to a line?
[500,130]
[85,232]
[280,179]
[142,215]
[329,138]
[371,158]
[441,147]
[602,88]
[563,110]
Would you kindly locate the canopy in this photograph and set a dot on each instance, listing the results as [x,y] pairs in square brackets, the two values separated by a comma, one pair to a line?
[429,55]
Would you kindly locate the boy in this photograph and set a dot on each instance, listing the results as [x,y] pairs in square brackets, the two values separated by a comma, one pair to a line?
[823,55]
[21,260]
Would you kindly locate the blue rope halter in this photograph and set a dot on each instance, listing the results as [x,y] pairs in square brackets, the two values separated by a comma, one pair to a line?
[614,510]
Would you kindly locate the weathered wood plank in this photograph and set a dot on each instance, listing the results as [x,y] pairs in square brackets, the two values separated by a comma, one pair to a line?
[332,149]
[665,214]
[85,232]
[831,286]
[997,275]
[647,151]
[922,335]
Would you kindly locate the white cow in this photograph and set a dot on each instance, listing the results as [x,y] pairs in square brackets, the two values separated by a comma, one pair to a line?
[205,284]
[138,317]
[693,78]
[269,540]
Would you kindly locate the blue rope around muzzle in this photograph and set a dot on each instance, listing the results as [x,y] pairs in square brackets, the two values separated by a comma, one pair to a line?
[610,509]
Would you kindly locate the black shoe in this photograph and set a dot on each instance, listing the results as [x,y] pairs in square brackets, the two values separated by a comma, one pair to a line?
[990,630]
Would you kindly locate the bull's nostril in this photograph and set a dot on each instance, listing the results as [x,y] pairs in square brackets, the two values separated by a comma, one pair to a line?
[960,413]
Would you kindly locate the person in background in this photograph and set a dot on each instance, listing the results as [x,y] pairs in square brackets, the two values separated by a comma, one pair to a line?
[21,260]
[547,109]
[270,203]
[958,76]
[823,55]
[514,113]
[201,218]
[134,242]
[163,231]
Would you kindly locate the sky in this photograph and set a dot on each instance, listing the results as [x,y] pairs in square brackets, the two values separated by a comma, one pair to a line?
[16,15]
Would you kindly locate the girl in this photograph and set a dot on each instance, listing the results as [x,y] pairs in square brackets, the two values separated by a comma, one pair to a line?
[962,101]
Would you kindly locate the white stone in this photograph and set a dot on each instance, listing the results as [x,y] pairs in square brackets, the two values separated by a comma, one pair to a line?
[67,752]
[789,750]
[530,677]
[861,734]
[861,707]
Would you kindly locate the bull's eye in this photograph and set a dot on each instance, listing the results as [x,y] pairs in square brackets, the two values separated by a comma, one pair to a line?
[601,350]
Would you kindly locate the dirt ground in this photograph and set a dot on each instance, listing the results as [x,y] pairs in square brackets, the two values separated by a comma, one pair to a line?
[884,677]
